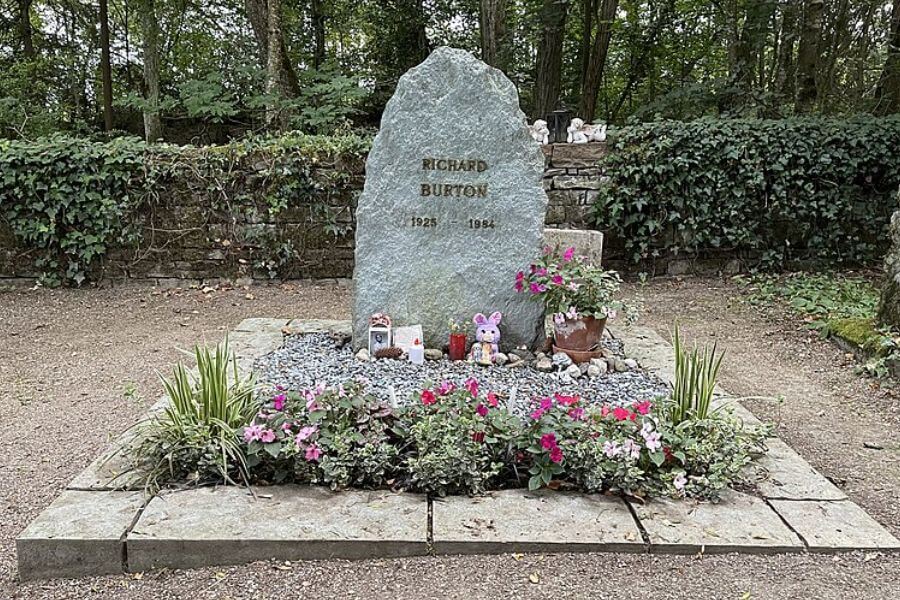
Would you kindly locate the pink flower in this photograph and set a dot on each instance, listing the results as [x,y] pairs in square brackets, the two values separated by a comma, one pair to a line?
[482,410]
[559,318]
[557,280]
[267,437]
[313,452]
[533,268]
[576,414]
[679,482]
[546,404]
[478,436]
[548,441]
[278,402]
[633,448]
[305,433]
[492,399]
[565,400]
[537,414]
[556,454]
[604,411]
[286,427]
[574,286]
[569,254]
[537,288]
[472,385]
[542,272]
[621,414]
[572,313]
[445,388]
[519,286]
[428,397]
[643,408]
[520,276]
[252,433]
[611,449]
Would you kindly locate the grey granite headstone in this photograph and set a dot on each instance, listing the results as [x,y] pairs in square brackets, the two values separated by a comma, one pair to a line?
[453,204]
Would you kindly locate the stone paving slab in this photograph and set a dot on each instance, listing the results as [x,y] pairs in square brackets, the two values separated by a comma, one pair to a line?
[739,523]
[784,474]
[342,326]
[80,533]
[543,521]
[227,525]
[262,324]
[833,526]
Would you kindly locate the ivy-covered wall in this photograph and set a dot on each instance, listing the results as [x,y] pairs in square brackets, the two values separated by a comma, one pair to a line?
[670,197]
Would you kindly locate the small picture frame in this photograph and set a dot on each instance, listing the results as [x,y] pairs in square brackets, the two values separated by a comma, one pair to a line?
[379,333]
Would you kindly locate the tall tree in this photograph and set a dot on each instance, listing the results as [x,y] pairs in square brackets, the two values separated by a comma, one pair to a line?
[548,72]
[25,32]
[317,14]
[888,91]
[492,25]
[275,78]
[808,55]
[105,67]
[258,15]
[785,69]
[150,35]
[597,60]
[588,10]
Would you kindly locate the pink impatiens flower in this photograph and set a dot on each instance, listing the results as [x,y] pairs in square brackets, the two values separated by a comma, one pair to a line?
[492,399]
[548,441]
[621,414]
[267,437]
[313,452]
[611,448]
[445,388]
[482,410]
[305,433]
[569,254]
[252,433]
[537,414]
[633,448]
[428,397]
[556,454]
[643,408]
[679,482]
[557,280]
[472,385]
[576,414]
[278,402]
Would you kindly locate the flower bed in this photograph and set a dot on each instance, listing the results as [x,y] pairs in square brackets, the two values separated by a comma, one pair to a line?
[465,440]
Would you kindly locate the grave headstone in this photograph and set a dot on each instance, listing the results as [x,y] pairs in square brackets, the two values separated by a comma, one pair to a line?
[453,204]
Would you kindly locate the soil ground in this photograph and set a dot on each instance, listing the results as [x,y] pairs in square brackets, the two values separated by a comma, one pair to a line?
[78,366]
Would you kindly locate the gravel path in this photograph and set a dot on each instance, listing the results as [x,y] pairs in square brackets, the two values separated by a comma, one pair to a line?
[306,360]
[73,363]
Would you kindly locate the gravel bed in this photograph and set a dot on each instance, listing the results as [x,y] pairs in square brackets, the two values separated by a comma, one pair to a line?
[309,359]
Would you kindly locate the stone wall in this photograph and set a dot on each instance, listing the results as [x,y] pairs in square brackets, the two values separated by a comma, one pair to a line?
[189,235]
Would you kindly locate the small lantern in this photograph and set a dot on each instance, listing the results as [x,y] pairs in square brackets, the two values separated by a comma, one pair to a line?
[557,123]
[379,333]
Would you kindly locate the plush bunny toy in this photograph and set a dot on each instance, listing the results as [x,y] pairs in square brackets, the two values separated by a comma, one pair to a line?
[487,338]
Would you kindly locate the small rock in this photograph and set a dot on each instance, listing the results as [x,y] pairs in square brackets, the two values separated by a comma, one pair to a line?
[523,353]
[631,364]
[594,370]
[363,355]
[566,379]
[561,359]
[620,366]
[500,359]
[583,367]
[573,371]
[544,364]
[539,355]
[433,354]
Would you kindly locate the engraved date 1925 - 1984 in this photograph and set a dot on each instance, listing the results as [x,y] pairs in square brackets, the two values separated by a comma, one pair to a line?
[419,221]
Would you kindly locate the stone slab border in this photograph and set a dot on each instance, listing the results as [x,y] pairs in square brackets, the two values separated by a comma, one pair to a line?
[104,523]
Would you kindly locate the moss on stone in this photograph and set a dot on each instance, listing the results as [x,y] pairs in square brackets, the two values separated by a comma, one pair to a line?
[860,331]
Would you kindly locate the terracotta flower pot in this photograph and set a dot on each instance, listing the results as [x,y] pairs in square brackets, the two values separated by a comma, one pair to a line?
[457,347]
[582,334]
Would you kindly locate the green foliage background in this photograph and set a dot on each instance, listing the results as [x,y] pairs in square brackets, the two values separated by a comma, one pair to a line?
[767,190]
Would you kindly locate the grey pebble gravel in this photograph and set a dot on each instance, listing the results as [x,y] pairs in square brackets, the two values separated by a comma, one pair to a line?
[309,359]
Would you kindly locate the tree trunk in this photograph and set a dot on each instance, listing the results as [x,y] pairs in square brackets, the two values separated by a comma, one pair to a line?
[808,56]
[746,52]
[258,15]
[597,62]
[150,34]
[888,92]
[588,8]
[105,68]
[494,47]
[318,22]
[549,57]
[275,79]
[785,72]
[25,31]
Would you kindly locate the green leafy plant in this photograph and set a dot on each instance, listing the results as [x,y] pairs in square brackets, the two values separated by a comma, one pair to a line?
[696,372]
[195,438]
[765,190]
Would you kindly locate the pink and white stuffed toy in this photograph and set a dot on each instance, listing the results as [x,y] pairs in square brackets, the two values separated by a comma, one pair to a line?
[487,338]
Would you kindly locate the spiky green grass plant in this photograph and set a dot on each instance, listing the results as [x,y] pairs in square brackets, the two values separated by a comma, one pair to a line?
[696,372]
[195,438]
